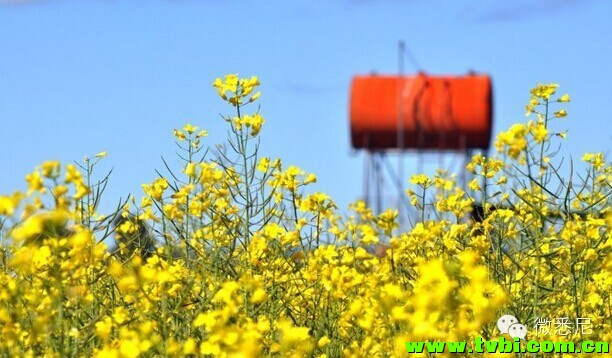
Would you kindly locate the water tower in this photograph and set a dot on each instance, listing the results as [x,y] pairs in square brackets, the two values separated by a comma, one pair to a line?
[416,114]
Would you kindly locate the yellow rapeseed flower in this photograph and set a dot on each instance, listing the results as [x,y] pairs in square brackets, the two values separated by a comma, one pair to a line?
[50,169]
[421,180]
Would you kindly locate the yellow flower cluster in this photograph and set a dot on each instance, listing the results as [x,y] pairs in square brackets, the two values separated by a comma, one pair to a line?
[244,262]
[254,122]
[238,92]
[239,89]
[516,141]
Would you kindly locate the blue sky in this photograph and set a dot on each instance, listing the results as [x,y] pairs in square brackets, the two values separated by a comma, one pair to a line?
[81,76]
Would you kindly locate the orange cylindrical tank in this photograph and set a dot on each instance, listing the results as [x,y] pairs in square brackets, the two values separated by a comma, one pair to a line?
[432,112]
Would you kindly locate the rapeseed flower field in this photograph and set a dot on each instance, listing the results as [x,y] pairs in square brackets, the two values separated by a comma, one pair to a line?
[237,255]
